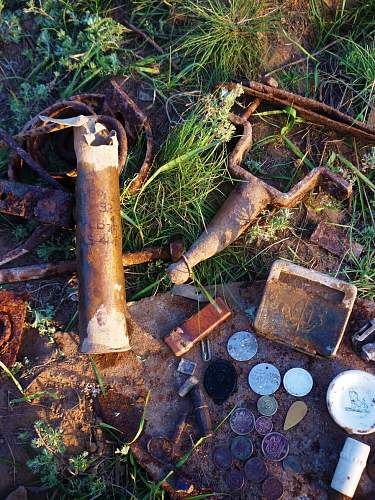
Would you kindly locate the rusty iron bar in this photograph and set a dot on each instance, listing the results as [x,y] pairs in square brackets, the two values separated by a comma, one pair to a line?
[310,109]
[25,156]
[247,200]
[38,236]
[41,271]
[48,206]
[117,99]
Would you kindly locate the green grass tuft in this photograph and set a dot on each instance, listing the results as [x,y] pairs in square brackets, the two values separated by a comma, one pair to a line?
[227,36]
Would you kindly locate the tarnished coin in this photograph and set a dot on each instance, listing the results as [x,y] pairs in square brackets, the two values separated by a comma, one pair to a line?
[272,488]
[241,447]
[298,382]
[275,446]
[263,425]
[220,380]
[256,470]
[234,479]
[242,346]
[242,421]
[160,448]
[267,405]
[264,379]
[222,457]
[293,463]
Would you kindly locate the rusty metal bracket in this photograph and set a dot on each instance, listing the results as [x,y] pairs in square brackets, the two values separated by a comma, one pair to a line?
[250,196]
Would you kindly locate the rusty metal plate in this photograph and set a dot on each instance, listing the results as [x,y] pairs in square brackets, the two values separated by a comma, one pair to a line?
[49,206]
[12,318]
[304,309]
[335,239]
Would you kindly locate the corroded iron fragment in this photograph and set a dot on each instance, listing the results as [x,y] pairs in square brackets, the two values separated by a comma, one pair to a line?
[184,337]
[48,206]
[12,318]
[335,239]
[305,309]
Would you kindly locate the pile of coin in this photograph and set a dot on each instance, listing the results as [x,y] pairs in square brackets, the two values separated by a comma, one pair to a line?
[236,457]
[241,458]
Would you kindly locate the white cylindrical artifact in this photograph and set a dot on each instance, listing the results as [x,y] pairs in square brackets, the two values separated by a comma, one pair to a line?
[353,458]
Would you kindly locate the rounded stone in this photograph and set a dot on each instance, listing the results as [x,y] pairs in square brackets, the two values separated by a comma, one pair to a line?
[263,425]
[267,405]
[222,457]
[275,446]
[241,447]
[264,379]
[242,421]
[242,346]
[272,488]
[220,380]
[298,382]
[256,470]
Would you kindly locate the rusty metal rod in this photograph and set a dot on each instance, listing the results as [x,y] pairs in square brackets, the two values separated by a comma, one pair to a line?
[34,165]
[40,271]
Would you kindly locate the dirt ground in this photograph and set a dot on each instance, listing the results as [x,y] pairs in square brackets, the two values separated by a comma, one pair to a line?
[315,443]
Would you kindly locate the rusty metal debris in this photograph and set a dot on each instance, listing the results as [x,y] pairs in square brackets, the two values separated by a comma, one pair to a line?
[248,199]
[41,271]
[243,205]
[12,318]
[310,109]
[363,341]
[335,239]
[184,337]
[115,109]
[304,309]
[45,205]
[26,157]
[38,236]
[102,323]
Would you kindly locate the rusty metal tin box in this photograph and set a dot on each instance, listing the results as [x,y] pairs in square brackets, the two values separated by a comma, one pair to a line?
[304,309]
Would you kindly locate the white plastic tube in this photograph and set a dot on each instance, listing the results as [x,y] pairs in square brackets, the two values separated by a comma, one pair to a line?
[353,458]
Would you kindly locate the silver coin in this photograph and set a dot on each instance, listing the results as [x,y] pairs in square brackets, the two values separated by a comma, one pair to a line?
[242,346]
[264,379]
[298,382]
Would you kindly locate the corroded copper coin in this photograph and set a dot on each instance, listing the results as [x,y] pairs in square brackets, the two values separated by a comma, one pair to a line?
[241,447]
[160,448]
[222,457]
[263,425]
[234,479]
[272,488]
[242,421]
[256,470]
[275,446]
